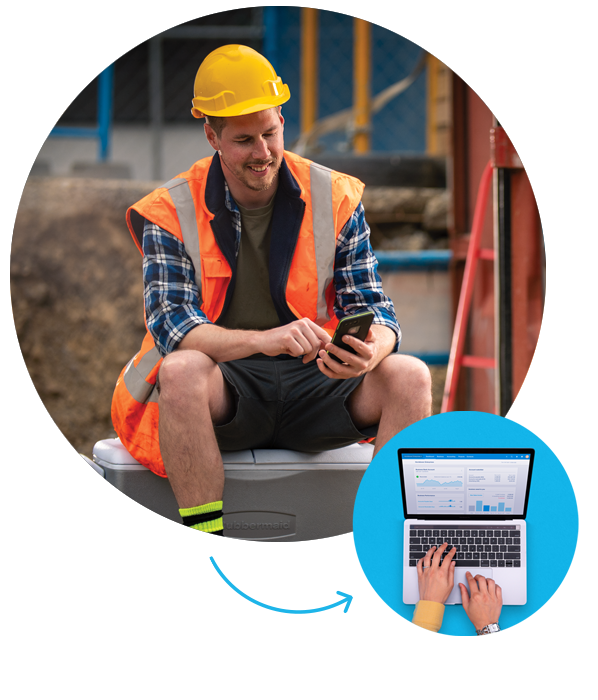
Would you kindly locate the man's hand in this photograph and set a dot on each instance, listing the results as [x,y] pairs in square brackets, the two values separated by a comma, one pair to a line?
[341,364]
[484,602]
[302,337]
[436,580]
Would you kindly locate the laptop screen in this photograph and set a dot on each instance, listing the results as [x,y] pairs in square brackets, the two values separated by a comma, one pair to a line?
[465,484]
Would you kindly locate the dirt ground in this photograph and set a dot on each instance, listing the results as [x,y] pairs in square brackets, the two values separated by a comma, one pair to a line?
[77,298]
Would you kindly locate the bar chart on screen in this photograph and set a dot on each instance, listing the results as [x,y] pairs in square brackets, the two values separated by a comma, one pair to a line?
[490,501]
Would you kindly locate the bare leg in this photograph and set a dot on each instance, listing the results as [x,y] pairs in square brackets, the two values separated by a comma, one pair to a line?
[193,397]
[395,394]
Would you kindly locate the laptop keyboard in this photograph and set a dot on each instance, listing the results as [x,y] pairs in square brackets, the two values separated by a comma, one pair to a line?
[490,546]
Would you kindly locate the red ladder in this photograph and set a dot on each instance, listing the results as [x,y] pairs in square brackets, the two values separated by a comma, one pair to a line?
[474,253]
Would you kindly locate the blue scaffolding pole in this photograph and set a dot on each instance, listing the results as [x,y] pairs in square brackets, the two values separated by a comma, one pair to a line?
[427,260]
[105,28]
[270,41]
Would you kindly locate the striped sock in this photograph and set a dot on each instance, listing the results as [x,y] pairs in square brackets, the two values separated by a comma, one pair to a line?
[207,518]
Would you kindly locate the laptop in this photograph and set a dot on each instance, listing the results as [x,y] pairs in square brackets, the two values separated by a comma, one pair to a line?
[474,499]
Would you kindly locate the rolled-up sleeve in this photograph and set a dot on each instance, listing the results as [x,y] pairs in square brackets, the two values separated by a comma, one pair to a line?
[357,282]
[428,614]
[170,294]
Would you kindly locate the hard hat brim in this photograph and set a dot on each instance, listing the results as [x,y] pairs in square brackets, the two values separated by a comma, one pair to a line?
[258,104]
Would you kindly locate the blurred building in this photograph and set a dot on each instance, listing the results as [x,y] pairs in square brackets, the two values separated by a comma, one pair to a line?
[153,87]
[369,102]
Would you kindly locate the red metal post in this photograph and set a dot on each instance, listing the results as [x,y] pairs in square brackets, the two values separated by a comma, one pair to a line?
[515,147]
[473,254]
[476,389]
[472,90]
[527,277]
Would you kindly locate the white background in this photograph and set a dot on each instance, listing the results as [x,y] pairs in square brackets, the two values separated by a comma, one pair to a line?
[131,620]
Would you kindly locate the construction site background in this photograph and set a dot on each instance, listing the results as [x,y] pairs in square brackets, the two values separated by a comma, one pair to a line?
[75,273]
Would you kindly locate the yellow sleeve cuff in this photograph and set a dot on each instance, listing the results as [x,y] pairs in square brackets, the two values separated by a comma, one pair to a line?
[428,615]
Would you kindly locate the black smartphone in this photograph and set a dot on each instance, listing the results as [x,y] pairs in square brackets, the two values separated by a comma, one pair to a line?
[357,325]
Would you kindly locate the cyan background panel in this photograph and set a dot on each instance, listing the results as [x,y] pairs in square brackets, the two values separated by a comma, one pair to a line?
[552,607]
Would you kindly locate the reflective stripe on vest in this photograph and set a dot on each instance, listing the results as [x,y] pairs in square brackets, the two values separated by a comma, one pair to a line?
[134,377]
[180,193]
[324,234]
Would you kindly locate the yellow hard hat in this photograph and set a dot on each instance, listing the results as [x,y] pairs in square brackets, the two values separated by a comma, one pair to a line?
[235,80]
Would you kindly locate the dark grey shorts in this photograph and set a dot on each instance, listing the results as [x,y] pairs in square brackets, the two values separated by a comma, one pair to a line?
[282,403]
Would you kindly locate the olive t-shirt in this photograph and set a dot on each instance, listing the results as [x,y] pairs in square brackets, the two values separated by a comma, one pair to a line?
[251,306]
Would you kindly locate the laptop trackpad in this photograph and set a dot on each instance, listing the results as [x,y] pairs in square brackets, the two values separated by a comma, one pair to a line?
[455,596]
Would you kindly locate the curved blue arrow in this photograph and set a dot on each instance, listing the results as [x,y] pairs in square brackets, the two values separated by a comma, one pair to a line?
[346,598]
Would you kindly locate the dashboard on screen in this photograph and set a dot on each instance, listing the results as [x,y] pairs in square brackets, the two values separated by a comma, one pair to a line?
[465,483]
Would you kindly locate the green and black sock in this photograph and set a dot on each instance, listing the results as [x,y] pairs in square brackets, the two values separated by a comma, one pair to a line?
[207,518]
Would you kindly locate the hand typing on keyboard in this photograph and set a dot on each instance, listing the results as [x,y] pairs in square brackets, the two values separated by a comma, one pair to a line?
[436,573]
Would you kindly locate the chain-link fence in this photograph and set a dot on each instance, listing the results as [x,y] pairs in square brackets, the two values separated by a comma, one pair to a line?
[401,125]
[153,82]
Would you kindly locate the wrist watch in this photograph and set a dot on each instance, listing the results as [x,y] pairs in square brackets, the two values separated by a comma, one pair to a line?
[489,629]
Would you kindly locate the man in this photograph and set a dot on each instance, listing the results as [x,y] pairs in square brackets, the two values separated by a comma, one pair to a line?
[250,259]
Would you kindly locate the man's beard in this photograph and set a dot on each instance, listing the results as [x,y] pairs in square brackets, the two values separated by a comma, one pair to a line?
[256,185]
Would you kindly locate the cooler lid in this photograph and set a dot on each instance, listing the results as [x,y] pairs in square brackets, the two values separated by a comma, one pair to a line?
[354,456]
[112,454]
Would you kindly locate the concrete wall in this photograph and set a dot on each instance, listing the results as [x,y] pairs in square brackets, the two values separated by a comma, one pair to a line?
[422,303]
[131,147]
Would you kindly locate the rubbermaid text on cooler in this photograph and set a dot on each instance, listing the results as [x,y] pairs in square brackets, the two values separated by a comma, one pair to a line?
[257,526]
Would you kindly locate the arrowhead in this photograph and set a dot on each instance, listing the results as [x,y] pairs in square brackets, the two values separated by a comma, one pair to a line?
[348,599]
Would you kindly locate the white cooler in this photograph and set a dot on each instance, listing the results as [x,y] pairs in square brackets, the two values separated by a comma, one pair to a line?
[273,495]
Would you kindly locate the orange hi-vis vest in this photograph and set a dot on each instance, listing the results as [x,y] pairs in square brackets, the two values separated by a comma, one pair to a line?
[312,205]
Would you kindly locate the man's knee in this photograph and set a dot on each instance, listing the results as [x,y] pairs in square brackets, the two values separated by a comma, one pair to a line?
[405,374]
[183,371]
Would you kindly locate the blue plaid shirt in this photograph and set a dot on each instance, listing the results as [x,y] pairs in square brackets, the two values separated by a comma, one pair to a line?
[171,295]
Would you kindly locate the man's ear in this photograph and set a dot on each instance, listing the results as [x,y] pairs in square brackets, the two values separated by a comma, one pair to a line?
[280,116]
[211,136]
